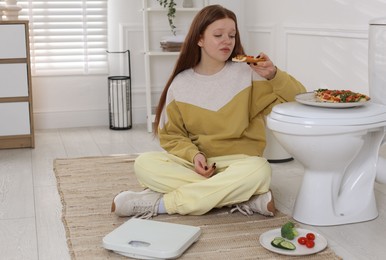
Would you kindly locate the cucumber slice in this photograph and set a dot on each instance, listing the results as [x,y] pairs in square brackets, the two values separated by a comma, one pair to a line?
[276,242]
[287,245]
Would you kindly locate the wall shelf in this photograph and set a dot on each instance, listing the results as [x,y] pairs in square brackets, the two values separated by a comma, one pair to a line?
[162,53]
[160,9]
[147,11]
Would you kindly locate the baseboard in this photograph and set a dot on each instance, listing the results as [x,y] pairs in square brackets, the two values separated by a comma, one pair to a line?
[86,118]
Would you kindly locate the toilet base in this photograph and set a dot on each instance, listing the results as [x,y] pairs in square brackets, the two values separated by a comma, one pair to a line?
[334,220]
[333,208]
[381,170]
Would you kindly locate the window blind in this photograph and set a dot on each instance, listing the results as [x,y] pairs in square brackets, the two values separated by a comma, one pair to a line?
[67,37]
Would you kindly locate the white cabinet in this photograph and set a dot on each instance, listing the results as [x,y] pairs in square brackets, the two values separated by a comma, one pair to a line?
[16,127]
[16,116]
[15,75]
[13,42]
[152,39]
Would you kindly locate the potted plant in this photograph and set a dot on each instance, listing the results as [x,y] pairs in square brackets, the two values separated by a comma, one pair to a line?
[171,12]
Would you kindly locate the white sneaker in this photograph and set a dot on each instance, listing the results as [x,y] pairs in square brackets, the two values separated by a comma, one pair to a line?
[142,204]
[263,204]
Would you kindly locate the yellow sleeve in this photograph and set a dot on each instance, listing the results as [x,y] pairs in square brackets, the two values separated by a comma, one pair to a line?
[173,135]
[268,93]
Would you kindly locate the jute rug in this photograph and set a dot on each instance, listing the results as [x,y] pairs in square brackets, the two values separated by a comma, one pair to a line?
[87,186]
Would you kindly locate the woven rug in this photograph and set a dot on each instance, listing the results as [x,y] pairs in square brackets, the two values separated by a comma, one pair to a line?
[87,186]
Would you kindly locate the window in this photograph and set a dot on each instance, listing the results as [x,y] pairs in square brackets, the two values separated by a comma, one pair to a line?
[67,37]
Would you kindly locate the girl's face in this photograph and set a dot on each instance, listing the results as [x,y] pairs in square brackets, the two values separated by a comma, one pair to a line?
[218,40]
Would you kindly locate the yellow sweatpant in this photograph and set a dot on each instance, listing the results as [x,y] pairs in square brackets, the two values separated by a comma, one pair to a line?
[237,178]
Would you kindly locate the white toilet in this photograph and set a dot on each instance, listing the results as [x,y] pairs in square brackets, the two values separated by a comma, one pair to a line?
[338,148]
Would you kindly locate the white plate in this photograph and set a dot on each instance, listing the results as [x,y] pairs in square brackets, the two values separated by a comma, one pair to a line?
[308,98]
[320,242]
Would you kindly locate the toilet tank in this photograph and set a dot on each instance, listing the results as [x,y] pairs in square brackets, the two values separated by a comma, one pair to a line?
[377,60]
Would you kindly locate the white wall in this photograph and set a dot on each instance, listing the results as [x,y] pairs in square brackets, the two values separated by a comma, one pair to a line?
[65,101]
[322,43]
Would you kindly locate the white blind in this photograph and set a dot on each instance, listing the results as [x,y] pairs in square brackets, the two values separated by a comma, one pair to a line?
[67,37]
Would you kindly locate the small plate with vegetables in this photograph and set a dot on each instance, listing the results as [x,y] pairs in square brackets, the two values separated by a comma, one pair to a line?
[289,240]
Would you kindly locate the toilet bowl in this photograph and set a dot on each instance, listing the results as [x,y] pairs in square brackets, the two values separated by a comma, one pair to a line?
[339,151]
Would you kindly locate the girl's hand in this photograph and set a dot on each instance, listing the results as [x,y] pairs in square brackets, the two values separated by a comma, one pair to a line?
[266,69]
[201,166]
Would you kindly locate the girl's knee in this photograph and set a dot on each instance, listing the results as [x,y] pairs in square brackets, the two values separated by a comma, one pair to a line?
[262,166]
[259,162]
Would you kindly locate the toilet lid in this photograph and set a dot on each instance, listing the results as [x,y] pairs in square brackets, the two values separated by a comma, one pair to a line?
[294,112]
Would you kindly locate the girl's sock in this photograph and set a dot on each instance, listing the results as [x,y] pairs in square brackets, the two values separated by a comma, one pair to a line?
[161,207]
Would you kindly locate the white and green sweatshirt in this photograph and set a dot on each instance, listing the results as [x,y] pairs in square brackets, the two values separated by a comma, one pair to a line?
[221,114]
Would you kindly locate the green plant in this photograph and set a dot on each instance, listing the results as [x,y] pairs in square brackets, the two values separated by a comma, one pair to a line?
[171,12]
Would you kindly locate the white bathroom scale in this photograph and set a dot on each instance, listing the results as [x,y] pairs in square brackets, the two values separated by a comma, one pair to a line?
[148,239]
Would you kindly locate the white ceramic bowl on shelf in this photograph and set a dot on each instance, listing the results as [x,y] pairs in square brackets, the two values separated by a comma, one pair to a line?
[11,12]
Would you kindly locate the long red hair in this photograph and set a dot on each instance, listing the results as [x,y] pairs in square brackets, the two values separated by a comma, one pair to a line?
[190,54]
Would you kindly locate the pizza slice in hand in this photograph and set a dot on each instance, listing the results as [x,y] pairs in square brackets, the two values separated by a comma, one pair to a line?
[246,58]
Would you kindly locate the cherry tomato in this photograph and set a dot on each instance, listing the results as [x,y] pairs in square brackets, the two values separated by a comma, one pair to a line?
[302,240]
[310,243]
[310,236]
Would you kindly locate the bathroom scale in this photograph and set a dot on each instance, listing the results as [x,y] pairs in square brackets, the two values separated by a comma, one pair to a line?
[149,239]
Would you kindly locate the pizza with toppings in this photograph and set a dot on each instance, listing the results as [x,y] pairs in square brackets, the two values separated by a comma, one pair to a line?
[339,96]
[246,58]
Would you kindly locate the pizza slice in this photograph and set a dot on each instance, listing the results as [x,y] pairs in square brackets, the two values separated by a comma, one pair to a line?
[246,58]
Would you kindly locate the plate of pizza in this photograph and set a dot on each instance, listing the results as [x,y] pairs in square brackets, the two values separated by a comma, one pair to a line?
[332,98]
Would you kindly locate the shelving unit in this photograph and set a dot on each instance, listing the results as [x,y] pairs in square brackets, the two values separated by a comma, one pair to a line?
[16,117]
[149,53]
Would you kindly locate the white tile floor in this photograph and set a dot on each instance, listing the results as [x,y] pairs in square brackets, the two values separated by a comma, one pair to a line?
[30,208]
